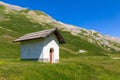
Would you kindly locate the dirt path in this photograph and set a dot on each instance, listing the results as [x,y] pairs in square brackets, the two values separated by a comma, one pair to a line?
[71,51]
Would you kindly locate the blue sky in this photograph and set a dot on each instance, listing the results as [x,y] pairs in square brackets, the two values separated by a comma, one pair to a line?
[100,15]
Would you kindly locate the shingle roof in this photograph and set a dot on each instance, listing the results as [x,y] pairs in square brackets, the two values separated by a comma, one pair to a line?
[41,34]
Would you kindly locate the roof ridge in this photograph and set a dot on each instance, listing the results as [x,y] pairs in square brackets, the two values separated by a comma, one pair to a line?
[39,31]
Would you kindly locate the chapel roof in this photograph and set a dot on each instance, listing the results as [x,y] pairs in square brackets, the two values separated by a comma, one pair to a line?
[41,34]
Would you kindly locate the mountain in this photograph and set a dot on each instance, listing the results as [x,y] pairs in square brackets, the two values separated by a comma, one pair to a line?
[16,21]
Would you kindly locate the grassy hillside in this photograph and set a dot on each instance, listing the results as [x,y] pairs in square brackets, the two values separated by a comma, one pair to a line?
[14,24]
[95,64]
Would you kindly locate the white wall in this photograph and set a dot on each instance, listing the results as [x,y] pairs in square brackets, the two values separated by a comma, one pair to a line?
[32,49]
[40,49]
[51,42]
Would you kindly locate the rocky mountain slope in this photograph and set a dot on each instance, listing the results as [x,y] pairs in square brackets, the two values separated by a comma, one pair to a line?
[16,21]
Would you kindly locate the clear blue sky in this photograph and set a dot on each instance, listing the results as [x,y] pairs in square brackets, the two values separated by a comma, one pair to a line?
[100,15]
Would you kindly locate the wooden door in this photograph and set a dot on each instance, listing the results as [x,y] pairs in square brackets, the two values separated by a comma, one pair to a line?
[50,57]
[51,54]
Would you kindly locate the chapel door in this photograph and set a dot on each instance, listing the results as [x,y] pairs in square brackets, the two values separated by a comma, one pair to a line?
[51,55]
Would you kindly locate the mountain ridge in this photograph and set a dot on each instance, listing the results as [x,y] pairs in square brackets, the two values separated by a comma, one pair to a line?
[14,7]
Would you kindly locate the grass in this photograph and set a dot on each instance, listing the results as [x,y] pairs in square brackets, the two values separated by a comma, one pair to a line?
[74,68]
[75,44]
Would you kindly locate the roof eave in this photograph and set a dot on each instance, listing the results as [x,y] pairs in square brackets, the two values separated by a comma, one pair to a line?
[27,39]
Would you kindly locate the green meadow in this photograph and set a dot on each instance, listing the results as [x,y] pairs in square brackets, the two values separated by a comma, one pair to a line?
[74,68]
[91,65]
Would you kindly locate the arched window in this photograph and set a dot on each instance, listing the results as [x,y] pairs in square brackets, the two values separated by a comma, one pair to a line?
[51,50]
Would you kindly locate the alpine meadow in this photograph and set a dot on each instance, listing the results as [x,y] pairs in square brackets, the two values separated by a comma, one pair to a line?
[87,54]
